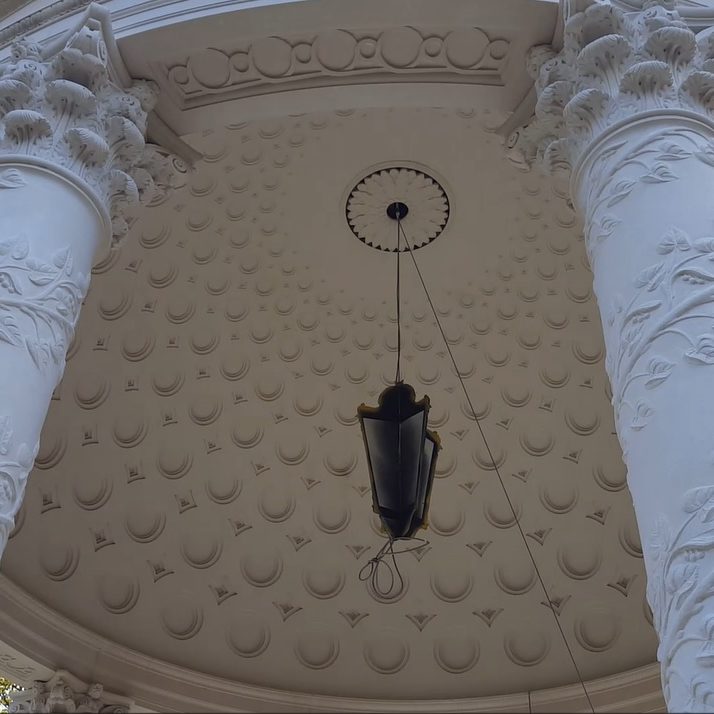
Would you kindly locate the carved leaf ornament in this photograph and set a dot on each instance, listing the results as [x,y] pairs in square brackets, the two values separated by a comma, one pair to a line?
[614,64]
[678,588]
[13,475]
[67,110]
[670,294]
[39,302]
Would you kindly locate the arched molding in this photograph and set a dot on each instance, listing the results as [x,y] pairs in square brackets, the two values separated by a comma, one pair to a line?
[217,61]
[38,636]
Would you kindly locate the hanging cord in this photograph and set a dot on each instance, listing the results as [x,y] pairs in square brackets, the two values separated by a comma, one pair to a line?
[398,378]
[498,473]
[371,569]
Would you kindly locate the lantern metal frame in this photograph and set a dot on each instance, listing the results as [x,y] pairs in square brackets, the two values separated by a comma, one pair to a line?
[424,474]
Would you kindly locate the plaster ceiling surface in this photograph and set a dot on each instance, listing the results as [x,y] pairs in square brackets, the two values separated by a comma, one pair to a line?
[201,493]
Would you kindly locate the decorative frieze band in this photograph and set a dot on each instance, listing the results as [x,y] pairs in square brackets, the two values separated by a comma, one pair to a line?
[411,54]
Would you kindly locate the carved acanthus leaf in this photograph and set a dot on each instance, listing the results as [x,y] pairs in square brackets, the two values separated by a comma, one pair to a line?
[67,110]
[614,64]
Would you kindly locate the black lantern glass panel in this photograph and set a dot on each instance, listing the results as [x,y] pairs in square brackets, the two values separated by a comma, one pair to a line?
[401,454]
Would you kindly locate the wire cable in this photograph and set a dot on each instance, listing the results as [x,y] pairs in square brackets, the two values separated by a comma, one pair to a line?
[398,378]
[498,473]
[371,569]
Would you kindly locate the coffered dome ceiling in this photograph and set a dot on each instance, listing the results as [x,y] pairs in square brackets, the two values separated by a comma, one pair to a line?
[201,494]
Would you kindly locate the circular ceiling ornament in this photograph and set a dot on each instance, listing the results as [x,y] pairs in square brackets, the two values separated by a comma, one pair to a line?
[384,196]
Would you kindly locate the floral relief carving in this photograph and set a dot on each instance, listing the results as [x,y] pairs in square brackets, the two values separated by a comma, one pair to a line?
[602,103]
[13,476]
[39,302]
[651,161]
[679,585]
[671,295]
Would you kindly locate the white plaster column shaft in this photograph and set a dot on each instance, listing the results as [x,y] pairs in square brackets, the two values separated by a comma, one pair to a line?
[650,233]
[72,163]
[49,234]
[627,107]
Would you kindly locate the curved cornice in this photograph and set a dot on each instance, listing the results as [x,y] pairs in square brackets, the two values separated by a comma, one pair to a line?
[45,637]
[220,59]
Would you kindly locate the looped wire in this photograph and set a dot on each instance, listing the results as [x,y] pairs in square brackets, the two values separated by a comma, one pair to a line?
[371,569]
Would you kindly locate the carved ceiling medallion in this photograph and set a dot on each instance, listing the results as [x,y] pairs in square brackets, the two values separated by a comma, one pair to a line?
[426,205]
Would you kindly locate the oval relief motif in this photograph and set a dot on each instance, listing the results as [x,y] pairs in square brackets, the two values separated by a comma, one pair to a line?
[172,462]
[181,618]
[323,581]
[515,577]
[316,649]
[456,653]
[201,549]
[386,654]
[526,647]
[262,566]
[248,635]
[223,488]
[598,629]
[117,593]
[58,560]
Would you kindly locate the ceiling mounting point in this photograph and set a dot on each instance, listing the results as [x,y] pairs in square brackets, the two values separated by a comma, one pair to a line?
[397,210]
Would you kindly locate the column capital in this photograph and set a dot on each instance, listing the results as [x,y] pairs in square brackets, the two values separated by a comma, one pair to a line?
[68,107]
[65,693]
[616,64]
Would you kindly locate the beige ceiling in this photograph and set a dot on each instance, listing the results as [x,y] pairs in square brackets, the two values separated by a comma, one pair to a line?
[8,7]
[201,493]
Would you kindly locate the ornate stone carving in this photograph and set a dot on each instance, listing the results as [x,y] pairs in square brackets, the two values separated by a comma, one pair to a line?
[65,112]
[427,202]
[613,65]
[253,68]
[15,463]
[66,109]
[40,301]
[658,328]
[65,693]
[628,106]
[680,583]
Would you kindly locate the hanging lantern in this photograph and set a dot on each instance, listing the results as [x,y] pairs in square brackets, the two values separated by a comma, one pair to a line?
[401,455]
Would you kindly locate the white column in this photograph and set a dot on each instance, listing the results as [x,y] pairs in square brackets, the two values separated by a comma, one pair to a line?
[627,109]
[72,162]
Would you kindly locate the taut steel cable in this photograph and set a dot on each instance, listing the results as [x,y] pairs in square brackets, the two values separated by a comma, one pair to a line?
[495,468]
